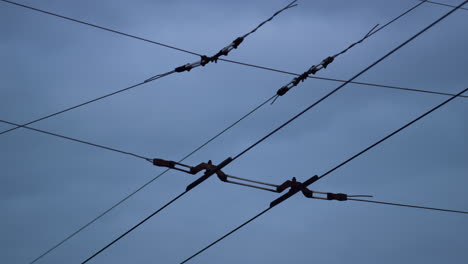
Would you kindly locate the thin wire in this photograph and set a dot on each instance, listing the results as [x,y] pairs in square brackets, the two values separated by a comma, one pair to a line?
[78,140]
[70,108]
[226,235]
[352,78]
[201,62]
[152,180]
[410,206]
[443,4]
[100,27]
[339,80]
[250,220]
[253,218]
[134,227]
[393,133]
[227,60]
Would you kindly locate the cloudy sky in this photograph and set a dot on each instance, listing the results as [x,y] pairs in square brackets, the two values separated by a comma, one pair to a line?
[50,187]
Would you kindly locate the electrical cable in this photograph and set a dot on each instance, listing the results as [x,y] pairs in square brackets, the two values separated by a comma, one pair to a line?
[187,67]
[342,85]
[268,100]
[225,60]
[194,151]
[134,227]
[373,145]
[443,4]
[79,141]
[410,206]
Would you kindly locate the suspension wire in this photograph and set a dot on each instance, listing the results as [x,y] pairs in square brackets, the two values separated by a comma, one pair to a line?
[347,82]
[340,80]
[443,4]
[232,61]
[79,141]
[134,227]
[187,67]
[292,4]
[193,152]
[100,27]
[395,132]
[430,111]
[410,206]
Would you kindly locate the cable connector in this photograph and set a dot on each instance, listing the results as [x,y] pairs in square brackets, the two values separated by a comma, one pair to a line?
[327,61]
[337,196]
[186,67]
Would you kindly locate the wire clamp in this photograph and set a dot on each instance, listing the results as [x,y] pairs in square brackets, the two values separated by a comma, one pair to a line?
[186,67]
[327,61]
[295,187]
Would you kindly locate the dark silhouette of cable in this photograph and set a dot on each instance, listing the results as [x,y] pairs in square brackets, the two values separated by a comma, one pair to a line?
[348,81]
[393,133]
[360,153]
[410,206]
[226,235]
[79,141]
[200,147]
[342,81]
[443,4]
[227,60]
[204,60]
[134,227]
[71,108]
[100,27]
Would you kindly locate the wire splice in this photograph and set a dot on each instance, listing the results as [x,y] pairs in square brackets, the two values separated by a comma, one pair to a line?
[204,59]
[315,68]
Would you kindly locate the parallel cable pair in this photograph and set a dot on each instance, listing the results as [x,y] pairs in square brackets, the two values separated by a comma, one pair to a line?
[315,178]
[188,67]
[232,125]
[214,169]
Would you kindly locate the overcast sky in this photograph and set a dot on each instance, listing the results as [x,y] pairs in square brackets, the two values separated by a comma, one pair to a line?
[50,187]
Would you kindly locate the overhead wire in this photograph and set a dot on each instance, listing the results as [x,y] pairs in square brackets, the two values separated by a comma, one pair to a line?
[408,205]
[360,153]
[187,67]
[249,113]
[79,141]
[204,60]
[222,59]
[443,4]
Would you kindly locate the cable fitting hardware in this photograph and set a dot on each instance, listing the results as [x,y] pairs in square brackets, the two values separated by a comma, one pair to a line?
[207,166]
[337,196]
[295,187]
[327,61]
[282,91]
[186,67]
[237,42]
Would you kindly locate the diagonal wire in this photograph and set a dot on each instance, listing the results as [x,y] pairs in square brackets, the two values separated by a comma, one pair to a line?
[227,60]
[197,149]
[360,153]
[100,27]
[79,141]
[443,4]
[347,82]
[410,206]
[134,227]
[187,67]
[266,210]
